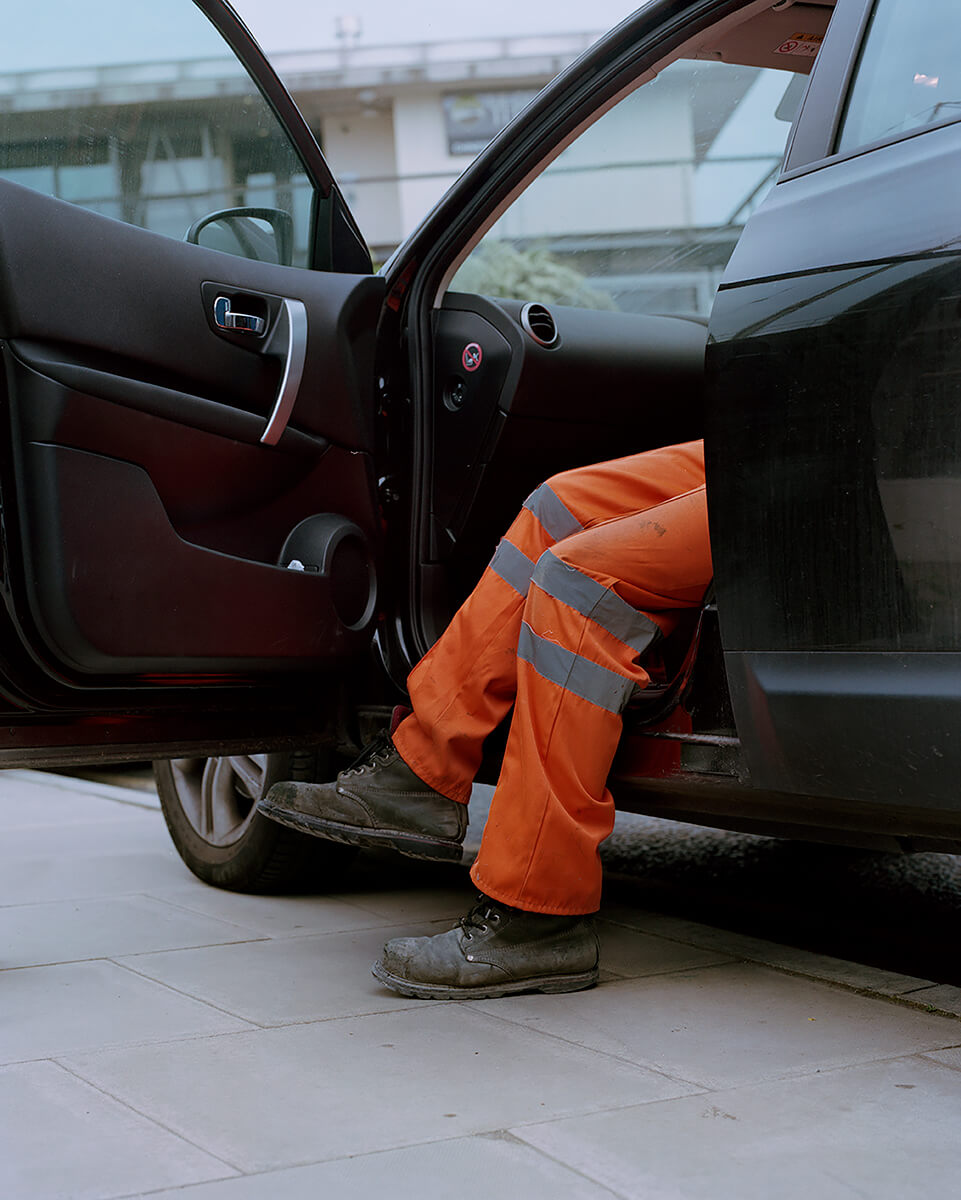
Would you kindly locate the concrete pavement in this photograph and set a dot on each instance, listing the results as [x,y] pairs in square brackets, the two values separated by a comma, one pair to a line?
[162,1038]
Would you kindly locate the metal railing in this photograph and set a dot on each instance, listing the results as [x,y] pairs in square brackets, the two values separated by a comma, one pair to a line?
[216,76]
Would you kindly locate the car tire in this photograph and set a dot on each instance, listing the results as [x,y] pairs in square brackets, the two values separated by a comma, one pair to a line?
[209,805]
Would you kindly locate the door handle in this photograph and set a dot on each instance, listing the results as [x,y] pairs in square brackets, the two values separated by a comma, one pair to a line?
[289,340]
[236,322]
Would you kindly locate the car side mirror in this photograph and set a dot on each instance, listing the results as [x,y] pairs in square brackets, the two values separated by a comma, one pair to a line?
[261,234]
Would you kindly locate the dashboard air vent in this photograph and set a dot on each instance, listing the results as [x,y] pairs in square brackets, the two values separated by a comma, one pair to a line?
[539,323]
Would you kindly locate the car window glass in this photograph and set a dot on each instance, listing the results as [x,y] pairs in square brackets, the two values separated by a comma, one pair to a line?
[405,95]
[142,113]
[908,74]
[643,210]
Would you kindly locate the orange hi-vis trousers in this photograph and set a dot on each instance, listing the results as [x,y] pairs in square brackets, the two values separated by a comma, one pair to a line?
[595,566]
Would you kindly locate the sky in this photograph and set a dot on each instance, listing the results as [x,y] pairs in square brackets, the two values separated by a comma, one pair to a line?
[307,24]
[122,31]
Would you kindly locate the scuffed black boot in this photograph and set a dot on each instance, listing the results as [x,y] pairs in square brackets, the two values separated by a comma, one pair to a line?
[493,951]
[378,801]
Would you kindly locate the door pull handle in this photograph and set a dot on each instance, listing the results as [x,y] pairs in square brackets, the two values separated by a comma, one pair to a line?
[289,340]
[236,322]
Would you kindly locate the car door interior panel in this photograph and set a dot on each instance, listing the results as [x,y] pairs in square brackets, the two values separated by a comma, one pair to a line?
[251,611]
[52,370]
[151,499]
[103,288]
[607,385]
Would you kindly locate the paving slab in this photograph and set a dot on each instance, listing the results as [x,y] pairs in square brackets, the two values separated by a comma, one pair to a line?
[629,954]
[935,997]
[271,916]
[730,1024]
[884,1131]
[86,860]
[61,1139]
[68,930]
[304,1093]
[133,830]
[858,976]
[476,1168]
[283,981]
[68,874]
[177,1040]
[128,788]
[398,904]
[31,799]
[949,1058]
[54,1010]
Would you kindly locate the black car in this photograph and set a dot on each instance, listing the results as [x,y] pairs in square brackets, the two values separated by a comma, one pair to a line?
[241,497]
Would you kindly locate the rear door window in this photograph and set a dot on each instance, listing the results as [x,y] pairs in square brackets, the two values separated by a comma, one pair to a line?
[908,76]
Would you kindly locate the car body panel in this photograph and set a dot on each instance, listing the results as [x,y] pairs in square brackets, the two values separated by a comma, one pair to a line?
[833,371]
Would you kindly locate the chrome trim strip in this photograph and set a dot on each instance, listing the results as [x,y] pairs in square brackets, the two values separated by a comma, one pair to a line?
[295,315]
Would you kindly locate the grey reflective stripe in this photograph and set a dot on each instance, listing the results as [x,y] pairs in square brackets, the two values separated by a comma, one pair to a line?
[512,566]
[552,513]
[592,599]
[584,678]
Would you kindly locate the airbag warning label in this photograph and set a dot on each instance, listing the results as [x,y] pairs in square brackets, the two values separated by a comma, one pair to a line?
[805,44]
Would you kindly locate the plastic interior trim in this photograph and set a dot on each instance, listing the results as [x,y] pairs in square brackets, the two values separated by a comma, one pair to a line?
[294,322]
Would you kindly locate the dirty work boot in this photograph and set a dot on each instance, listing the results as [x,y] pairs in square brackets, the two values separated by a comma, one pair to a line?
[493,951]
[378,801]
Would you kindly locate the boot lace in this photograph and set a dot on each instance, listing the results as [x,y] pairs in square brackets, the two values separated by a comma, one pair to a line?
[375,754]
[482,916]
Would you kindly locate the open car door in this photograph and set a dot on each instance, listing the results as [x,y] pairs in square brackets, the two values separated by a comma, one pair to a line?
[189,504]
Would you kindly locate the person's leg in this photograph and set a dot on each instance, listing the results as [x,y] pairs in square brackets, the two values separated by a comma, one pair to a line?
[409,793]
[465,685]
[595,605]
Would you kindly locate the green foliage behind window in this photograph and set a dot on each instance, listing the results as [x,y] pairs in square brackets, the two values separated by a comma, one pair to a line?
[501,269]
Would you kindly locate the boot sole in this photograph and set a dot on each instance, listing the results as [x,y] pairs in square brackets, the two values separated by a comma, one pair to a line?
[412,844]
[548,984]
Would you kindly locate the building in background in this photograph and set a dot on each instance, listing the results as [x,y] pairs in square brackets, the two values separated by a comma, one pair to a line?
[646,206]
